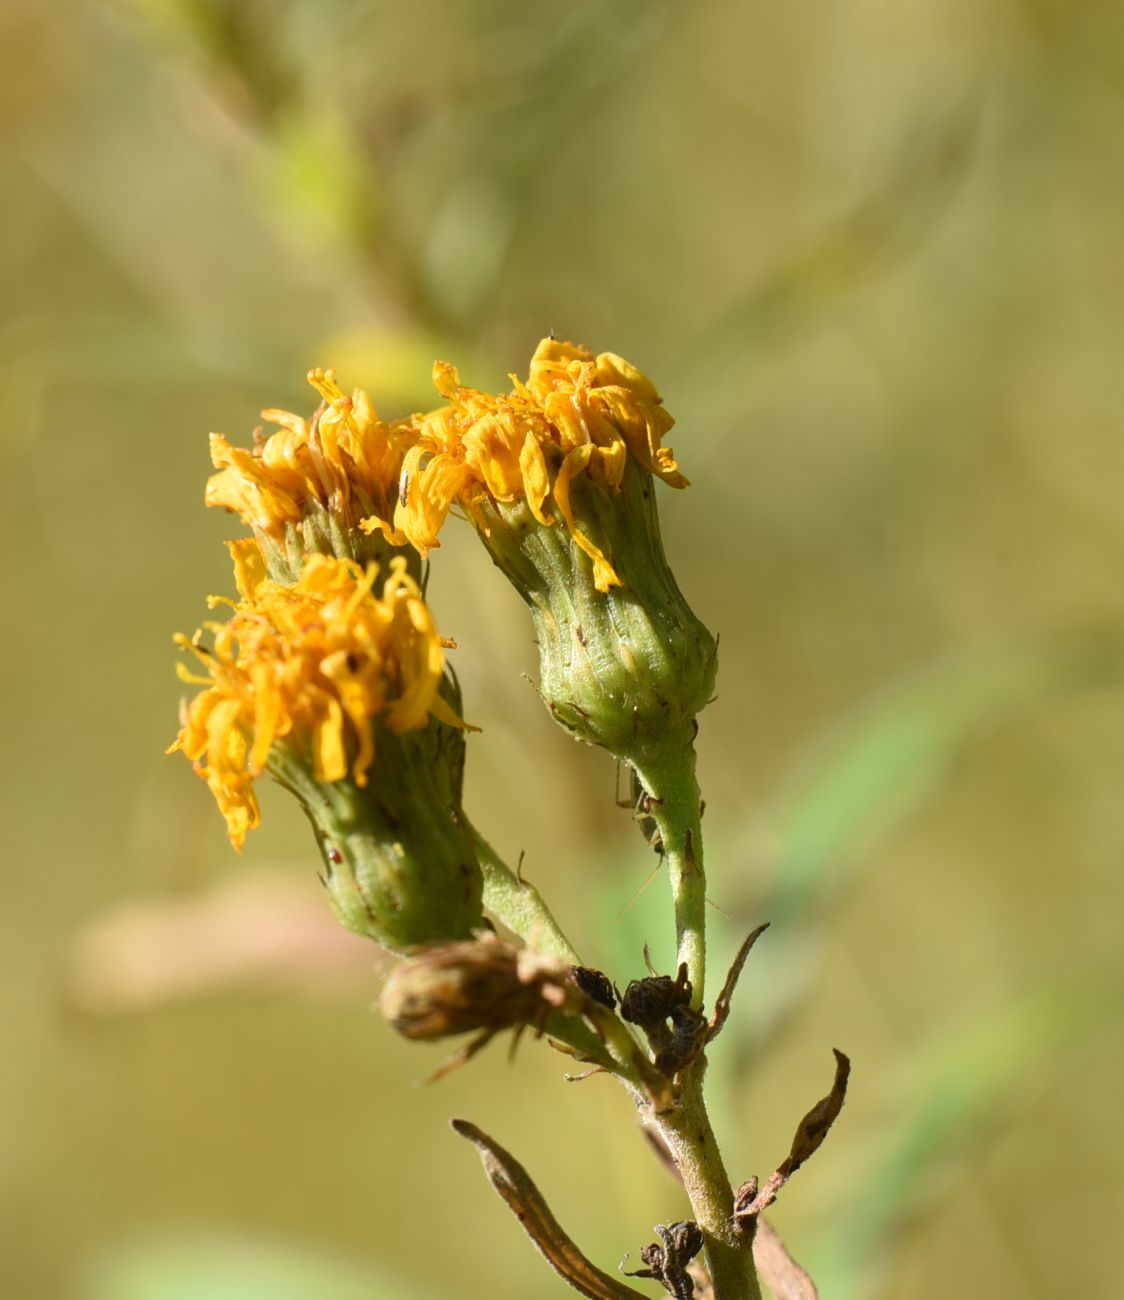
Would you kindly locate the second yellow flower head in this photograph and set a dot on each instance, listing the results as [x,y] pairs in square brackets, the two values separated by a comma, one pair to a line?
[311,664]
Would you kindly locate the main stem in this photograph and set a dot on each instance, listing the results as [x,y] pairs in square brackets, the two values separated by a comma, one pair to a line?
[687,1132]
[669,779]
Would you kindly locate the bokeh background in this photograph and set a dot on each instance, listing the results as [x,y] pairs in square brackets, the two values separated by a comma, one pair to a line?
[871,254]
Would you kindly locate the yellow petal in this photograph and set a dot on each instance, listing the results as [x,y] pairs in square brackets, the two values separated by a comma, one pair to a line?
[536,478]
[329,757]
[575,463]
[430,492]
[249,566]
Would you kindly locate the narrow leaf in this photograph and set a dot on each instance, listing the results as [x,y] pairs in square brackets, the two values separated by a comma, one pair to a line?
[782,1274]
[722,1005]
[810,1133]
[814,1126]
[526,1202]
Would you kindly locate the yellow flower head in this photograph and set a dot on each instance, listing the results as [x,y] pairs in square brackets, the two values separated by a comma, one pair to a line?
[576,415]
[305,487]
[310,664]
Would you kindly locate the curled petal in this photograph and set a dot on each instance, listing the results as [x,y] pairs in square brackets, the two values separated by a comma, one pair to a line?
[604,576]
[312,663]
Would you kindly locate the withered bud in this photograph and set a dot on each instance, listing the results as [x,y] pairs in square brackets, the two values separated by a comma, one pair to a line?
[688,1037]
[649,1002]
[667,1263]
[478,984]
[595,984]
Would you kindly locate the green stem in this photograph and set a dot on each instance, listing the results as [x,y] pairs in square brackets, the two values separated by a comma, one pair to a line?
[520,906]
[668,777]
[687,1131]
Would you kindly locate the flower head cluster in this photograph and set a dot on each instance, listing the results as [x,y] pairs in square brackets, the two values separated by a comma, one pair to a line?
[305,488]
[577,415]
[350,484]
[310,665]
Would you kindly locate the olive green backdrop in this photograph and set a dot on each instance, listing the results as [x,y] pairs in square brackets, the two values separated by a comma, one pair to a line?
[871,254]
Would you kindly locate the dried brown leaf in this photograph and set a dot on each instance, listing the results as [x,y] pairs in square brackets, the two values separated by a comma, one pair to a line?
[813,1128]
[749,1200]
[782,1274]
[722,1005]
[526,1202]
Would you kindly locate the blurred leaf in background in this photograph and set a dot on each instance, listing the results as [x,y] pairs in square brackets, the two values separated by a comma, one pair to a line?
[214,1269]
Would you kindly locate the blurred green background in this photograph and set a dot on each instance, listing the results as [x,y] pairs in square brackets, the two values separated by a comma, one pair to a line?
[871,254]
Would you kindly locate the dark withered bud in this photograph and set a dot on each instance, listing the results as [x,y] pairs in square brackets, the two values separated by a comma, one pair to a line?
[649,1002]
[479,984]
[667,1263]
[689,1030]
[595,984]
[744,1198]
[654,1002]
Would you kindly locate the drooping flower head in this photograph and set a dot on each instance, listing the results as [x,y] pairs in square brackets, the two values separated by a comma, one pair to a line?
[577,416]
[341,695]
[558,478]
[304,488]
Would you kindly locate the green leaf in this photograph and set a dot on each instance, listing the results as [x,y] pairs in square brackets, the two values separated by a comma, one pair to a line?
[862,780]
[873,769]
[965,1086]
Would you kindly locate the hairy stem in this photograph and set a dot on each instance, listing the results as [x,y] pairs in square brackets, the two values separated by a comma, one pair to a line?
[686,1130]
[520,906]
[674,804]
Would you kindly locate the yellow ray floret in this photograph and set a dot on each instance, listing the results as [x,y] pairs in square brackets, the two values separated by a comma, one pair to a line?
[344,460]
[312,663]
[577,414]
